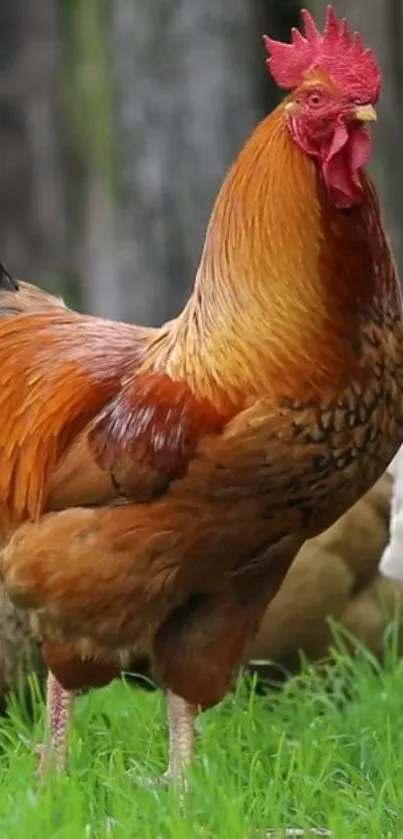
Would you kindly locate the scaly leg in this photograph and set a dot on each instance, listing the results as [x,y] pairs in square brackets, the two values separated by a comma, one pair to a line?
[181,717]
[58,701]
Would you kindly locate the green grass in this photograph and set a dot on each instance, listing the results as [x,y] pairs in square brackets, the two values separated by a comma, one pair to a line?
[314,754]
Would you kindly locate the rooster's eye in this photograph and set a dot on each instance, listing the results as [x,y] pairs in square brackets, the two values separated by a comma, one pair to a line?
[315,99]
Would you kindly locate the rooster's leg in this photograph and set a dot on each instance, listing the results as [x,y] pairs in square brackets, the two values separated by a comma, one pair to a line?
[181,717]
[58,702]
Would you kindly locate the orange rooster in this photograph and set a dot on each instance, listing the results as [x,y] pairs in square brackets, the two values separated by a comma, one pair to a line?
[212,448]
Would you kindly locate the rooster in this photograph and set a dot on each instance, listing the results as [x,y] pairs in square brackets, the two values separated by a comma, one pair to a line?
[211,448]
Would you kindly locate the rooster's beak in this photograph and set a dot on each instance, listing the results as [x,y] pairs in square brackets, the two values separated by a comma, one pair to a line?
[365,113]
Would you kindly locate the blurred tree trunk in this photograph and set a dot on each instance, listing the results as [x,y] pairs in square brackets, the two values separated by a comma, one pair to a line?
[381,25]
[186,98]
[32,217]
[91,163]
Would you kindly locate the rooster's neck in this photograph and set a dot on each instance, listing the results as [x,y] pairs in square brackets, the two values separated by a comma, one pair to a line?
[285,279]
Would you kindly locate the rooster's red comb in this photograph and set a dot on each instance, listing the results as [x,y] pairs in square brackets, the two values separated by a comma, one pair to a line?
[342,56]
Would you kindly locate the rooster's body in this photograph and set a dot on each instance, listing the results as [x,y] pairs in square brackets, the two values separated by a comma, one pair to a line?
[335,575]
[219,443]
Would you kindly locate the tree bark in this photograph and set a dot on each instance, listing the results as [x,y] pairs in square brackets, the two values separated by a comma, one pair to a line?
[186,98]
[32,217]
[91,195]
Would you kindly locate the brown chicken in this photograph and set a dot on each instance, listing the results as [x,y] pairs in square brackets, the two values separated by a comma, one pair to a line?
[231,434]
